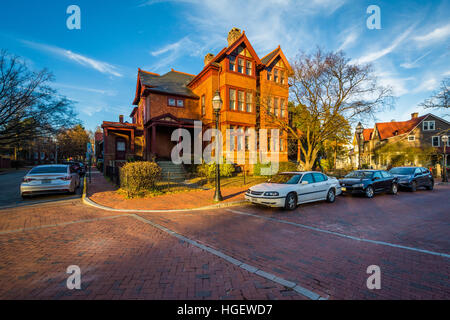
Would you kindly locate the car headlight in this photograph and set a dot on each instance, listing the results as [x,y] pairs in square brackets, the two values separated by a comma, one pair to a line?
[271,194]
[359,185]
[248,191]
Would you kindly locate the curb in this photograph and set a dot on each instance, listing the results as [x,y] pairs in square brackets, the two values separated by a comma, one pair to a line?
[92,203]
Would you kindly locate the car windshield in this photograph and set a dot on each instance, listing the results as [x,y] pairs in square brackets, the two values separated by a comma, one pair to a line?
[43,170]
[360,174]
[402,171]
[285,178]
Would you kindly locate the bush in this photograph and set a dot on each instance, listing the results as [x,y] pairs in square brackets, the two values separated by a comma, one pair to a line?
[136,178]
[282,167]
[209,170]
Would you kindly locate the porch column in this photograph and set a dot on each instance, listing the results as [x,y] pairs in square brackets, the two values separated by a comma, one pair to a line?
[132,141]
[153,143]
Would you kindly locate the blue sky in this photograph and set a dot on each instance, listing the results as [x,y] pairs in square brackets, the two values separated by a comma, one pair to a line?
[96,66]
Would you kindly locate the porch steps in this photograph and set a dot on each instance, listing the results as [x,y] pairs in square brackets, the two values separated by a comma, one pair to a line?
[171,171]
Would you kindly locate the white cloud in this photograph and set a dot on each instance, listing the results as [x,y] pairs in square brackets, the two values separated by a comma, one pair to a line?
[410,65]
[100,91]
[372,56]
[437,34]
[103,67]
[349,40]
[429,84]
[267,24]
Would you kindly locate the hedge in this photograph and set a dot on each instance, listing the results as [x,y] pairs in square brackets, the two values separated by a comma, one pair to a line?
[282,167]
[138,177]
[209,170]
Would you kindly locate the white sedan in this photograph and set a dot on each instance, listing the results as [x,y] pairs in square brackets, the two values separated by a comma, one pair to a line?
[288,189]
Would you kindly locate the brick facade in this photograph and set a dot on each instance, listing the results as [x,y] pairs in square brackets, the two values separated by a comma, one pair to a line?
[174,100]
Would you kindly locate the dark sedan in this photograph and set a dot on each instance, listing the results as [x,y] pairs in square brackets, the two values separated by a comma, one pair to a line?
[369,182]
[413,177]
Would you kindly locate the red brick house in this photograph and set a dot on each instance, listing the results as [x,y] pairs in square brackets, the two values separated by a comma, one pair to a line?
[249,87]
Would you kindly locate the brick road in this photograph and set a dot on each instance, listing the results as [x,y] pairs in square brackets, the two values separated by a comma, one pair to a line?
[326,248]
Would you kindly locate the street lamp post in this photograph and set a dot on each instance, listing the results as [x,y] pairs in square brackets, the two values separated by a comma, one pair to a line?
[217,105]
[359,130]
[444,165]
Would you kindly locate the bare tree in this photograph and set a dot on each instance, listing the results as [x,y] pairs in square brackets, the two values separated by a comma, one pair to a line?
[327,94]
[440,98]
[29,107]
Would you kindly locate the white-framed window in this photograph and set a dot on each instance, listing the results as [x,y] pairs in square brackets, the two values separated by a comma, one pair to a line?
[269,105]
[232,99]
[171,102]
[436,141]
[180,103]
[429,125]
[411,138]
[282,106]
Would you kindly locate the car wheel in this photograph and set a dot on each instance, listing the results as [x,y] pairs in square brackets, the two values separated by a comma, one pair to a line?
[291,201]
[331,196]
[413,186]
[394,188]
[370,192]
[431,186]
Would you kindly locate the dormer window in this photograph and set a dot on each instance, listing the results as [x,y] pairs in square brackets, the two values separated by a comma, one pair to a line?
[269,74]
[175,102]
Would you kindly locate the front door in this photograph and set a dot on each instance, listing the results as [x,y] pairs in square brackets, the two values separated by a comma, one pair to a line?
[121,148]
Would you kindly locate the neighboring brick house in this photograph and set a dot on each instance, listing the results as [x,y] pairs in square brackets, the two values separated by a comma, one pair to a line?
[247,84]
[419,136]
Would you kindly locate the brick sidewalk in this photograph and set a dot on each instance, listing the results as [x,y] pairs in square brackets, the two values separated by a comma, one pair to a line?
[104,193]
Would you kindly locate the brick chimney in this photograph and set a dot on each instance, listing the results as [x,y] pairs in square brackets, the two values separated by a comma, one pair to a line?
[208,58]
[121,118]
[414,115]
[233,35]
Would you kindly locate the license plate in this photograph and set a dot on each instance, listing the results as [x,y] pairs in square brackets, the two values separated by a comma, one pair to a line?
[344,189]
[46,181]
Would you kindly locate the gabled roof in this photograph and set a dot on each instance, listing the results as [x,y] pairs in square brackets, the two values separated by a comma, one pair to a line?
[395,128]
[367,134]
[270,57]
[171,83]
[228,50]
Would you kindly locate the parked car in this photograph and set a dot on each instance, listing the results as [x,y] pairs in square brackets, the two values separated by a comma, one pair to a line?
[413,177]
[77,166]
[288,189]
[49,179]
[369,182]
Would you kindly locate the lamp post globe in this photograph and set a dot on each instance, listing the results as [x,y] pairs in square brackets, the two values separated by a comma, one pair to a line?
[217,105]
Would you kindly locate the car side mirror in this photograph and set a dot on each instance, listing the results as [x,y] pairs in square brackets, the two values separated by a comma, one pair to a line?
[416,174]
[305,182]
[376,178]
